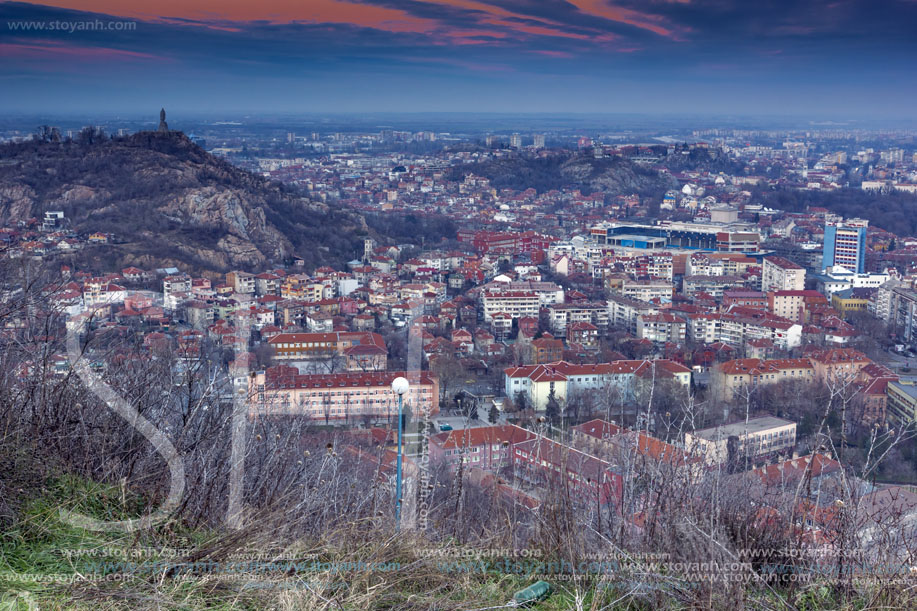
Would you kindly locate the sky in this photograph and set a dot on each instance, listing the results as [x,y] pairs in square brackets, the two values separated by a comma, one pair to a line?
[839,59]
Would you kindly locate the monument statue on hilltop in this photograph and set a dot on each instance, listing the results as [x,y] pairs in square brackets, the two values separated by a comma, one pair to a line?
[163,126]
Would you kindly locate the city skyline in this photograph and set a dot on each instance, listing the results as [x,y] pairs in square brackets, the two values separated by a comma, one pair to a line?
[583,56]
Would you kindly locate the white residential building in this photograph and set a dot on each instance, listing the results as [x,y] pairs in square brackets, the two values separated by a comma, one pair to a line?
[561,315]
[647,290]
[516,304]
[624,312]
[567,380]
[735,330]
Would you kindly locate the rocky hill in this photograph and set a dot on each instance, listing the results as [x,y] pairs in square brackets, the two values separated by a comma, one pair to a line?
[169,202]
[615,175]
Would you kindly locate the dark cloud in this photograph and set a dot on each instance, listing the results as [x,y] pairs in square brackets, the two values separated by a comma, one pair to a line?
[741,21]
[553,14]
[513,53]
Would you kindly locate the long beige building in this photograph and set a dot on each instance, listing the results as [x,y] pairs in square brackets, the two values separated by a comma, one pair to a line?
[732,377]
[360,350]
[338,397]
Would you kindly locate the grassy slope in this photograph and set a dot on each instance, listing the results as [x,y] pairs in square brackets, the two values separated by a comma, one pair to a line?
[41,545]
[38,542]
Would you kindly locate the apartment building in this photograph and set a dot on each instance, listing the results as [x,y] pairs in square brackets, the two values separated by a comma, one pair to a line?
[745,298]
[881,303]
[487,447]
[794,305]
[542,462]
[564,380]
[585,334]
[704,264]
[268,284]
[837,364]
[718,264]
[661,328]
[779,274]
[546,349]
[175,289]
[548,292]
[501,325]
[339,397]
[735,329]
[562,315]
[647,290]
[624,312]
[904,309]
[732,377]
[901,408]
[896,304]
[300,286]
[242,283]
[757,438]
[714,286]
[360,350]
[650,265]
[622,446]
[99,291]
[515,304]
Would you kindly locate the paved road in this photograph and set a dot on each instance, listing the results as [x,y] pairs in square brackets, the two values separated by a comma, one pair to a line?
[897,362]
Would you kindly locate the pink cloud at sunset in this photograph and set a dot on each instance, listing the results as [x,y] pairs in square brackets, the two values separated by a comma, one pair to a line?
[273,11]
[605,10]
[49,49]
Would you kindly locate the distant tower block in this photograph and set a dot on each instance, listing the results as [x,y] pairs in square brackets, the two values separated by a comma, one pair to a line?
[368,245]
[163,126]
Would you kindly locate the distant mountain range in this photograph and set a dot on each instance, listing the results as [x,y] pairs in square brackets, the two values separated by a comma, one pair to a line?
[169,202]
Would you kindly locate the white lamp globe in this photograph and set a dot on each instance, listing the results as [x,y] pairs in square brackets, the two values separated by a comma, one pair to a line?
[400,385]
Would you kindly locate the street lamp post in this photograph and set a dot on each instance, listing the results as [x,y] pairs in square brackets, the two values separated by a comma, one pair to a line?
[399,387]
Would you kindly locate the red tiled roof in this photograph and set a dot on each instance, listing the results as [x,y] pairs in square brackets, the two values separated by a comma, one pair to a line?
[793,470]
[783,263]
[759,366]
[478,436]
[598,428]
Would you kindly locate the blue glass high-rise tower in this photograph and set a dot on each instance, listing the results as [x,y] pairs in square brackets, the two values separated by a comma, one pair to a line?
[845,245]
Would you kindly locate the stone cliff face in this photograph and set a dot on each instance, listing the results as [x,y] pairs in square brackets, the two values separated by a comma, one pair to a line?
[16,201]
[615,176]
[169,202]
[249,237]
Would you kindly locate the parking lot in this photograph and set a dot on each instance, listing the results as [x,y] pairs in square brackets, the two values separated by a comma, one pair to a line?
[457,422]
